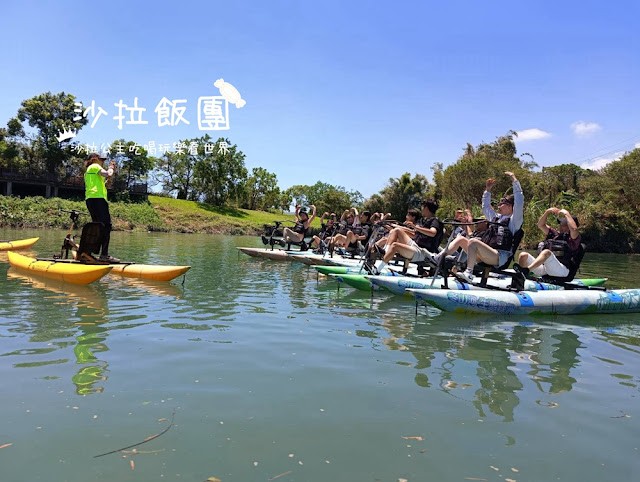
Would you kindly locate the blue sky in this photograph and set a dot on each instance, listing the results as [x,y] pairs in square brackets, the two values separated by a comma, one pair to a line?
[350,93]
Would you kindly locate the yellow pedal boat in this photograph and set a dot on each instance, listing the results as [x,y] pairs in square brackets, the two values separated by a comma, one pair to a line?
[19,244]
[76,273]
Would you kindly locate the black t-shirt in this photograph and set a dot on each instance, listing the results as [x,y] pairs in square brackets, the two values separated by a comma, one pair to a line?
[428,242]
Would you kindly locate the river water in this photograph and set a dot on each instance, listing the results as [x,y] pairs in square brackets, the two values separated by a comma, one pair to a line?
[269,373]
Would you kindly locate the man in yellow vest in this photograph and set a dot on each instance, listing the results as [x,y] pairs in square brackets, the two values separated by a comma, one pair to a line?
[96,198]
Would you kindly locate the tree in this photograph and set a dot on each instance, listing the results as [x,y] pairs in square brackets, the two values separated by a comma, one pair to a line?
[134,160]
[219,175]
[463,183]
[49,114]
[262,189]
[325,197]
[175,172]
[554,180]
[400,195]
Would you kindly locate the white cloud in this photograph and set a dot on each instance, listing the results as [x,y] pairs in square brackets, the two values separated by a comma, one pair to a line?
[532,135]
[600,162]
[583,129]
[637,146]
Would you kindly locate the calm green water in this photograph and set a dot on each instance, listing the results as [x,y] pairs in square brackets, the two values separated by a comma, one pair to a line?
[271,371]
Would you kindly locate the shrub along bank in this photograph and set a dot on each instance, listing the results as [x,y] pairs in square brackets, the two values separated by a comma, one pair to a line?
[158,214]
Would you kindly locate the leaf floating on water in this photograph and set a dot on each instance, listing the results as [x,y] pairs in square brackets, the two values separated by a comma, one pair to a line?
[624,415]
[473,478]
[280,475]
[133,464]
[402,480]
[5,446]
[419,439]
[514,469]
[213,479]
[494,468]
[510,480]
[146,403]
[163,420]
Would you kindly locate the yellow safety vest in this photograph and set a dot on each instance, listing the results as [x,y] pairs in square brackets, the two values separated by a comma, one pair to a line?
[94,183]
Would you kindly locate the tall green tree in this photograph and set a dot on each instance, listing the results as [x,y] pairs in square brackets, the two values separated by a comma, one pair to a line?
[262,189]
[219,175]
[133,160]
[175,173]
[401,194]
[326,197]
[49,115]
[463,182]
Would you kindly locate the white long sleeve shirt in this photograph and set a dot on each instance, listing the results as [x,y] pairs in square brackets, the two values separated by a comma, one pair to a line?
[515,219]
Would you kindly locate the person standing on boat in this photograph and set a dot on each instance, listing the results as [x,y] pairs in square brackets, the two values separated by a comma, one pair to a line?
[495,247]
[96,198]
[559,247]
[299,231]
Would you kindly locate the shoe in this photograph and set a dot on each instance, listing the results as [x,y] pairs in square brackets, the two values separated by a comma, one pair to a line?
[435,258]
[265,240]
[281,242]
[108,259]
[371,269]
[304,246]
[519,269]
[517,282]
[466,276]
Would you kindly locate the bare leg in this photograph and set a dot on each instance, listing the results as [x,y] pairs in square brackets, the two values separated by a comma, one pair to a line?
[542,257]
[522,259]
[351,238]
[478,251]
[289,235]
[403,250]
[339,239]
[459,242]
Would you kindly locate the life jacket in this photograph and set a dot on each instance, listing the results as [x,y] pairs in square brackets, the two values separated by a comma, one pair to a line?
[558,244]
[429,243]
[498,235]
[342,228]
[363,229]
[300,229]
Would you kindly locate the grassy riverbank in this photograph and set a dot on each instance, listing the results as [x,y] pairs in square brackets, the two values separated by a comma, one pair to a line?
[159,214]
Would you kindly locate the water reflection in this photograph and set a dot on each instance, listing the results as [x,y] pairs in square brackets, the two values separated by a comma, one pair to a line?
[491,361]
[72,311]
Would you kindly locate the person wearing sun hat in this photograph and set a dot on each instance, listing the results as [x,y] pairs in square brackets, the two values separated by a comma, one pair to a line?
[559,247]
[96,198]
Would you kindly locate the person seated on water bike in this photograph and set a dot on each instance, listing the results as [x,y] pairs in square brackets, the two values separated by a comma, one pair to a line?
[326,229]
[299,230]
[496,244]
[417,239]
[349,221]
[359,236]
[471,228]
[557,252]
